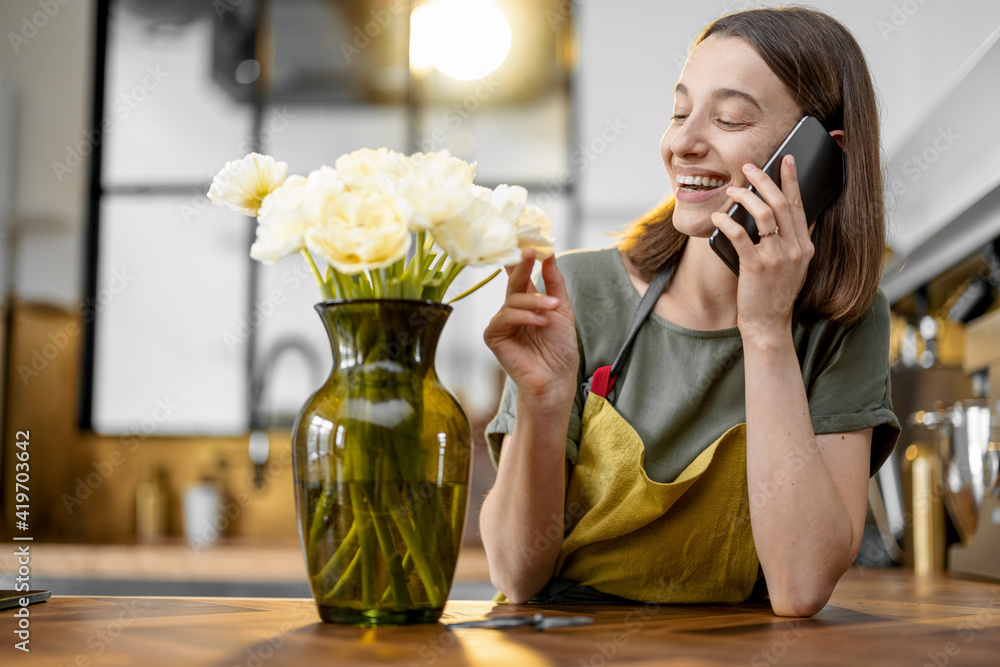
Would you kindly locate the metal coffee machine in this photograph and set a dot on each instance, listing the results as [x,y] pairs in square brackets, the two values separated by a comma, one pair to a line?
[972,457]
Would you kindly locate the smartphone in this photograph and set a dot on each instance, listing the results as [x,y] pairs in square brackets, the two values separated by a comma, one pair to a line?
[12,599]
[820,165]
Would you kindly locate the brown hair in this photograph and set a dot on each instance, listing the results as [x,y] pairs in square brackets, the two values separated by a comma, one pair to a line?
[825,70]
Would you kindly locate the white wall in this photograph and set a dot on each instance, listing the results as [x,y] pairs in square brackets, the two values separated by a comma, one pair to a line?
[51,76]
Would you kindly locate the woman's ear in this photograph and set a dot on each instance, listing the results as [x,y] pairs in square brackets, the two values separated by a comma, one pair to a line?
[838,136]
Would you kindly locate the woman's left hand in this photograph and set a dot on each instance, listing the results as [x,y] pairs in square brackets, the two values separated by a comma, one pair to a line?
[773,271]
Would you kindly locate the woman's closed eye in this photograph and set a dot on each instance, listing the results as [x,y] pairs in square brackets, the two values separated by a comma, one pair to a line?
[727,124]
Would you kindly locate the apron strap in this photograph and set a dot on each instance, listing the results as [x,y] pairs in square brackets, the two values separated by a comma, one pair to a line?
[603,381]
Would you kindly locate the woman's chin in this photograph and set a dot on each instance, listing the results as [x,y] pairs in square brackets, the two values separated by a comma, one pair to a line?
[695,228]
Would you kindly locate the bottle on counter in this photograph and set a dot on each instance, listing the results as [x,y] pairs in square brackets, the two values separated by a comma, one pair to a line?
[151,498]
[202,505]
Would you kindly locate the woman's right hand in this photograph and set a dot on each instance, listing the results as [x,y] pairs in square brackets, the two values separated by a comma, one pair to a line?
[534,335]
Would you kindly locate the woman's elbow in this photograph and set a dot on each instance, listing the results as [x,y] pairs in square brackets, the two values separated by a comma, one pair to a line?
[517,589]
[800,603]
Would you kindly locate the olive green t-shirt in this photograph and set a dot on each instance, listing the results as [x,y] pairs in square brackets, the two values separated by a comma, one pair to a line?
[681,389]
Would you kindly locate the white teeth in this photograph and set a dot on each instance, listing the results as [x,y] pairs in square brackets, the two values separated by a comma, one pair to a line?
[700,180]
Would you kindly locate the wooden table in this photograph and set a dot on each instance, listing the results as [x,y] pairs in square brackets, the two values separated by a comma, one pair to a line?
[876,617]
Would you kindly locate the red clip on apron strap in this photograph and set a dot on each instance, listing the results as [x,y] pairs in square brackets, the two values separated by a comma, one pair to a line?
[603,380]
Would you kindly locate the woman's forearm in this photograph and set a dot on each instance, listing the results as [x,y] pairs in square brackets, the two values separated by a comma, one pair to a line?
[522,517]
[801,527]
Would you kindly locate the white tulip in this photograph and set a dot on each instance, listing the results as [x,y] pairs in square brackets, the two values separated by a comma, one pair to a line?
[324,188]
[367,168]
[243,184]
[509,200]
[270,245]
[362,230]
[533,226]
[533,230]
[487,235]
[436,189]
[284,216]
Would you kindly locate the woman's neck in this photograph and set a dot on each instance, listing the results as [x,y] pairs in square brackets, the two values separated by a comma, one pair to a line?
[701,294]
[704,286]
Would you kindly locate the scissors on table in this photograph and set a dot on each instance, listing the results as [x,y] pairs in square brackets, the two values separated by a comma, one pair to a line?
[538,621]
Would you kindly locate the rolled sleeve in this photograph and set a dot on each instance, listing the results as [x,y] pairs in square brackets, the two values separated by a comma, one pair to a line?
[851,391]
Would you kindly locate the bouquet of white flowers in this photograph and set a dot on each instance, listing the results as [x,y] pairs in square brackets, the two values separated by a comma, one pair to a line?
[361,219]
[382,450]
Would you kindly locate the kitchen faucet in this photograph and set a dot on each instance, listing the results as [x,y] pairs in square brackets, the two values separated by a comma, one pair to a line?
[259,419]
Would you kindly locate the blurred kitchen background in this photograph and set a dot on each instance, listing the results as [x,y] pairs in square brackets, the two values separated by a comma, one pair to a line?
[158,369]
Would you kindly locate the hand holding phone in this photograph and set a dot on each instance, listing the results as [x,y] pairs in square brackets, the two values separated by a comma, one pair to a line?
[820,166]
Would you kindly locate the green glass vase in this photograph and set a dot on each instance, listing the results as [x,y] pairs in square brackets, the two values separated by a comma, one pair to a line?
[382,455]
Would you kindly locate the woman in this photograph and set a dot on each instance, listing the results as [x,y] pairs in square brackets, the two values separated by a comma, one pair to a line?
[726,456]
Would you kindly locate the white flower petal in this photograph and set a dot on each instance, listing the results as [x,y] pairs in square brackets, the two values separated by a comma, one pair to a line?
[533,231]
[489,237]
[367,168]
[364,230]
[243,184]
[271,245]
[435,187]
[510,200]
[283,214]
[324,187]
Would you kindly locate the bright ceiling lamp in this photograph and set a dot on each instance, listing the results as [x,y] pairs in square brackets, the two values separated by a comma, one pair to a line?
[464,39]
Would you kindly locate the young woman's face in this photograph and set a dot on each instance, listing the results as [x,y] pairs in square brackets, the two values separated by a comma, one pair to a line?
[729,109]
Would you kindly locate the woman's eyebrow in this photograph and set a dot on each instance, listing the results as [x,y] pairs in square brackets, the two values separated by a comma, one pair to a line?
[722,94]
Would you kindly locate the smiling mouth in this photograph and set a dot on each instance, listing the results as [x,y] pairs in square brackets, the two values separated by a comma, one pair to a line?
[699,183]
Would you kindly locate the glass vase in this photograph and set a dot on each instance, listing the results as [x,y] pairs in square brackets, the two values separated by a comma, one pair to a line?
[382,455]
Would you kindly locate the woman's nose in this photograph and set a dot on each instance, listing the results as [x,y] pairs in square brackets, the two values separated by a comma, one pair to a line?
[689,139]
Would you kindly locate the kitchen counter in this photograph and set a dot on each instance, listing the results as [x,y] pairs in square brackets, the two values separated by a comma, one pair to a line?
[884,617]
[230,568]
[229,560]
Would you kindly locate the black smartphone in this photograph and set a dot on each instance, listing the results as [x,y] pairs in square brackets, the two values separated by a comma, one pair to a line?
[820,165]
[12,599]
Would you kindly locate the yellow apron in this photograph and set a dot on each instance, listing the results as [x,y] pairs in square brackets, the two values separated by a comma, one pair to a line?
[686,541]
